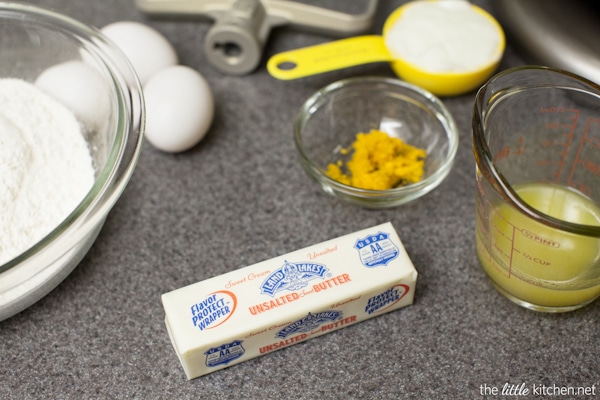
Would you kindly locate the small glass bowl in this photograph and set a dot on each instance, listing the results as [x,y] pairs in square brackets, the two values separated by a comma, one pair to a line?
[330,119]
[32,40]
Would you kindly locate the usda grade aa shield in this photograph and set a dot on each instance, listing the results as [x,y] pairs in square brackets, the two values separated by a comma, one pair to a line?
[375,250]
[224,354]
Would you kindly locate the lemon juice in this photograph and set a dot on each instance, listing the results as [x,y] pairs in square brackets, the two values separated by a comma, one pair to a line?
[545,267]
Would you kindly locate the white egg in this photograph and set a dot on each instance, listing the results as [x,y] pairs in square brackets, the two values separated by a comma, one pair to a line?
[179,108]
[79,87]
[145,47]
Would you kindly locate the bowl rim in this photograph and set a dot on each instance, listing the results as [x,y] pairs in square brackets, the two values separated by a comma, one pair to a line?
[124,152]
[496,90]
[448,75]
[425,185]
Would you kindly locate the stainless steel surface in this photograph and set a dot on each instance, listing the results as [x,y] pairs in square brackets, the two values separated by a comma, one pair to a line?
[555,33]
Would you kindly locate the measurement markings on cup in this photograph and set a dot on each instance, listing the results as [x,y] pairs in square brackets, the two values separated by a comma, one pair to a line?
[508,235]
[590,143]
[566,144]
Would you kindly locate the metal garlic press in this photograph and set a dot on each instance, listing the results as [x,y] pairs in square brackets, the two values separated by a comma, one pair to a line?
[235,42]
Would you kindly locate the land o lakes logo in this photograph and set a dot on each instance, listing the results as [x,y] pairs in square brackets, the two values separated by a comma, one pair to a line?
[377,249]
[292,277]
[309,323]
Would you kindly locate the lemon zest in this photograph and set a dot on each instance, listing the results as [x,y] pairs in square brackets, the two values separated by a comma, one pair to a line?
[379,162]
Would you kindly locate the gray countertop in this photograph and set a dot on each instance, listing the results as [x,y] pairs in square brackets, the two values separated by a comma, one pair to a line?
[240,197]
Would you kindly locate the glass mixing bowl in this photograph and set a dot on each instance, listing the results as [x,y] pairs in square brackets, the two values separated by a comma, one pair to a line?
[32,40]
[329,120]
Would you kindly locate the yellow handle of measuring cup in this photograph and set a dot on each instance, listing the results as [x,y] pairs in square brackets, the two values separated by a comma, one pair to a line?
[327,57]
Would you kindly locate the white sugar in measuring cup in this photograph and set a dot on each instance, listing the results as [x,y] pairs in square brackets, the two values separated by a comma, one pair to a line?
[424,41]
[536,140]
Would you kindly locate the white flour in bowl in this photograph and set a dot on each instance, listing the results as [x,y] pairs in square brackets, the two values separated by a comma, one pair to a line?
[444,36]
[45,166]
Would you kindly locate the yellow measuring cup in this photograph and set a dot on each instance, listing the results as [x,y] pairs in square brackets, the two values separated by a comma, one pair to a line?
[365,49]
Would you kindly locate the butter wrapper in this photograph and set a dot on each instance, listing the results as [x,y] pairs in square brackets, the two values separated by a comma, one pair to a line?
[276,303]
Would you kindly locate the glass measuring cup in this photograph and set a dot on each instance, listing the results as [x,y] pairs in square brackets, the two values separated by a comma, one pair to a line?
[536,141]
[358,50]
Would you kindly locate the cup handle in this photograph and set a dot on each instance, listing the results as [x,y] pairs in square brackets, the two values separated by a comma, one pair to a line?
[328,57]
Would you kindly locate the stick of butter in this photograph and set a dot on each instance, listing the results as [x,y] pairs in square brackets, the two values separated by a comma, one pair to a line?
[268,306]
